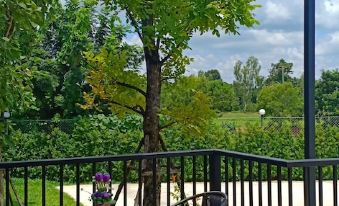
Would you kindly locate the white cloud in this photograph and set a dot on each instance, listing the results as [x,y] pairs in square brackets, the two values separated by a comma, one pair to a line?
[276,11]
[329,46]
[327,14]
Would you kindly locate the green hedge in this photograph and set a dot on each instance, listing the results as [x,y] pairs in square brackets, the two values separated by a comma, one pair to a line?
[100,135]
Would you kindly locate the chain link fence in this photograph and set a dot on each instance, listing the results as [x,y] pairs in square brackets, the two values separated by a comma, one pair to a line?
[269,124]
[46,126]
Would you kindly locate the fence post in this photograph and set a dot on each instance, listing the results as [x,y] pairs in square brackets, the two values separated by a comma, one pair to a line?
[215,171]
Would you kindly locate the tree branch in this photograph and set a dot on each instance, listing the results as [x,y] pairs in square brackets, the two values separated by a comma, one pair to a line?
[10,24]
[168,125]
[131,87]
[158,43]
[169,55]
[134,24]
[134,109]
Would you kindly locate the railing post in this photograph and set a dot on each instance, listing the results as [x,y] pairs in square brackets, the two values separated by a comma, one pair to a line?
[215,171]
[309,111]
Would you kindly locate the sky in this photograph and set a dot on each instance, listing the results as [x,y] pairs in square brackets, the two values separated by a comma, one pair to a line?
[279,35]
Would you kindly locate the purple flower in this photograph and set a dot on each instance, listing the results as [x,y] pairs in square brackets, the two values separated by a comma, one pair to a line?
[99,176]
[106,195]
[106,177]
[98,194]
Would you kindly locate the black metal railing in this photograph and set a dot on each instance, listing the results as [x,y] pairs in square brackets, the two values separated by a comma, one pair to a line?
[246,179]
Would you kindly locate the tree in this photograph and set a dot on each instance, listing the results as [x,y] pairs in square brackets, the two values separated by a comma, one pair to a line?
[58,56]
[281,100]
[327,93]
[212,74]
[165,28]
[222,95]
[247,82]
[186,104]
[18,22]
[280,72]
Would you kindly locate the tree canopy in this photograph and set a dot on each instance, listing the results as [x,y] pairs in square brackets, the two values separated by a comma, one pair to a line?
[327,93]
[281,100]
[280,72]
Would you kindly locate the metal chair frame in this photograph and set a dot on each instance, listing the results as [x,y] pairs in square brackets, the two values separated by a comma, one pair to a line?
[206,196]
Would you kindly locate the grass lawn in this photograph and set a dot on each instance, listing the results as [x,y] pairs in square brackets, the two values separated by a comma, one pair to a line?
[34,193]
[238,117]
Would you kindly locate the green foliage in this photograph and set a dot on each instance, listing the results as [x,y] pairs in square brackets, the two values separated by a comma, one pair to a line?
[185,103]
[19,20]
[222,95]
[281,100]
[94,136]
[212,74]
[327,93]
[108,135]
[280,72]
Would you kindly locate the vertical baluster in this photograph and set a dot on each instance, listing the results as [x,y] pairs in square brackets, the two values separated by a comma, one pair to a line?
[335,186]
[110,168]
[7,186]
[125,182]
[260,183]
[234,176]
[269,185]
[194,179]
[242,188]
[320,175]
[182,178]
[43,186]
[226,179]
[205,173]
[250,170]
[26,186]
[94,170]
[61,189]
[168,171]
[77,179]
[140,182]
[290,187]
[279,186]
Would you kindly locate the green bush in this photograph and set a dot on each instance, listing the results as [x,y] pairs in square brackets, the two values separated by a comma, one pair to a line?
[100,135]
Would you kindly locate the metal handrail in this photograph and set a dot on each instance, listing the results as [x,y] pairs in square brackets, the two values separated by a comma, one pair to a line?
[142,156]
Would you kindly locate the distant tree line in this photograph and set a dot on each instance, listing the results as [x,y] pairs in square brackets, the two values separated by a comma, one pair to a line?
[279,93]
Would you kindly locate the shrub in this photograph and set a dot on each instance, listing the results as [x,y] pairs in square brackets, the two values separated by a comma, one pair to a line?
[99,135]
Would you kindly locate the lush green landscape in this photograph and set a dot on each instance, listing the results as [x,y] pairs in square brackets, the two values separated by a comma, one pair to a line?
[73,84]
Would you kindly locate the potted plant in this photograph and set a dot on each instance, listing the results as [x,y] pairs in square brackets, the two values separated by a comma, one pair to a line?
[102,196]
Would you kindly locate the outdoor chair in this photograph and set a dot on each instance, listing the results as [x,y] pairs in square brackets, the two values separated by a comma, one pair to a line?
[213,198]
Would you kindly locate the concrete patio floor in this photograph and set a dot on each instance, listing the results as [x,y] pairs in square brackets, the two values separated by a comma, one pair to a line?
[298,193]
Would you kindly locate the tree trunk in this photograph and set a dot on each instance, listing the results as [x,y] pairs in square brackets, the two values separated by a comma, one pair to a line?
[152,127]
